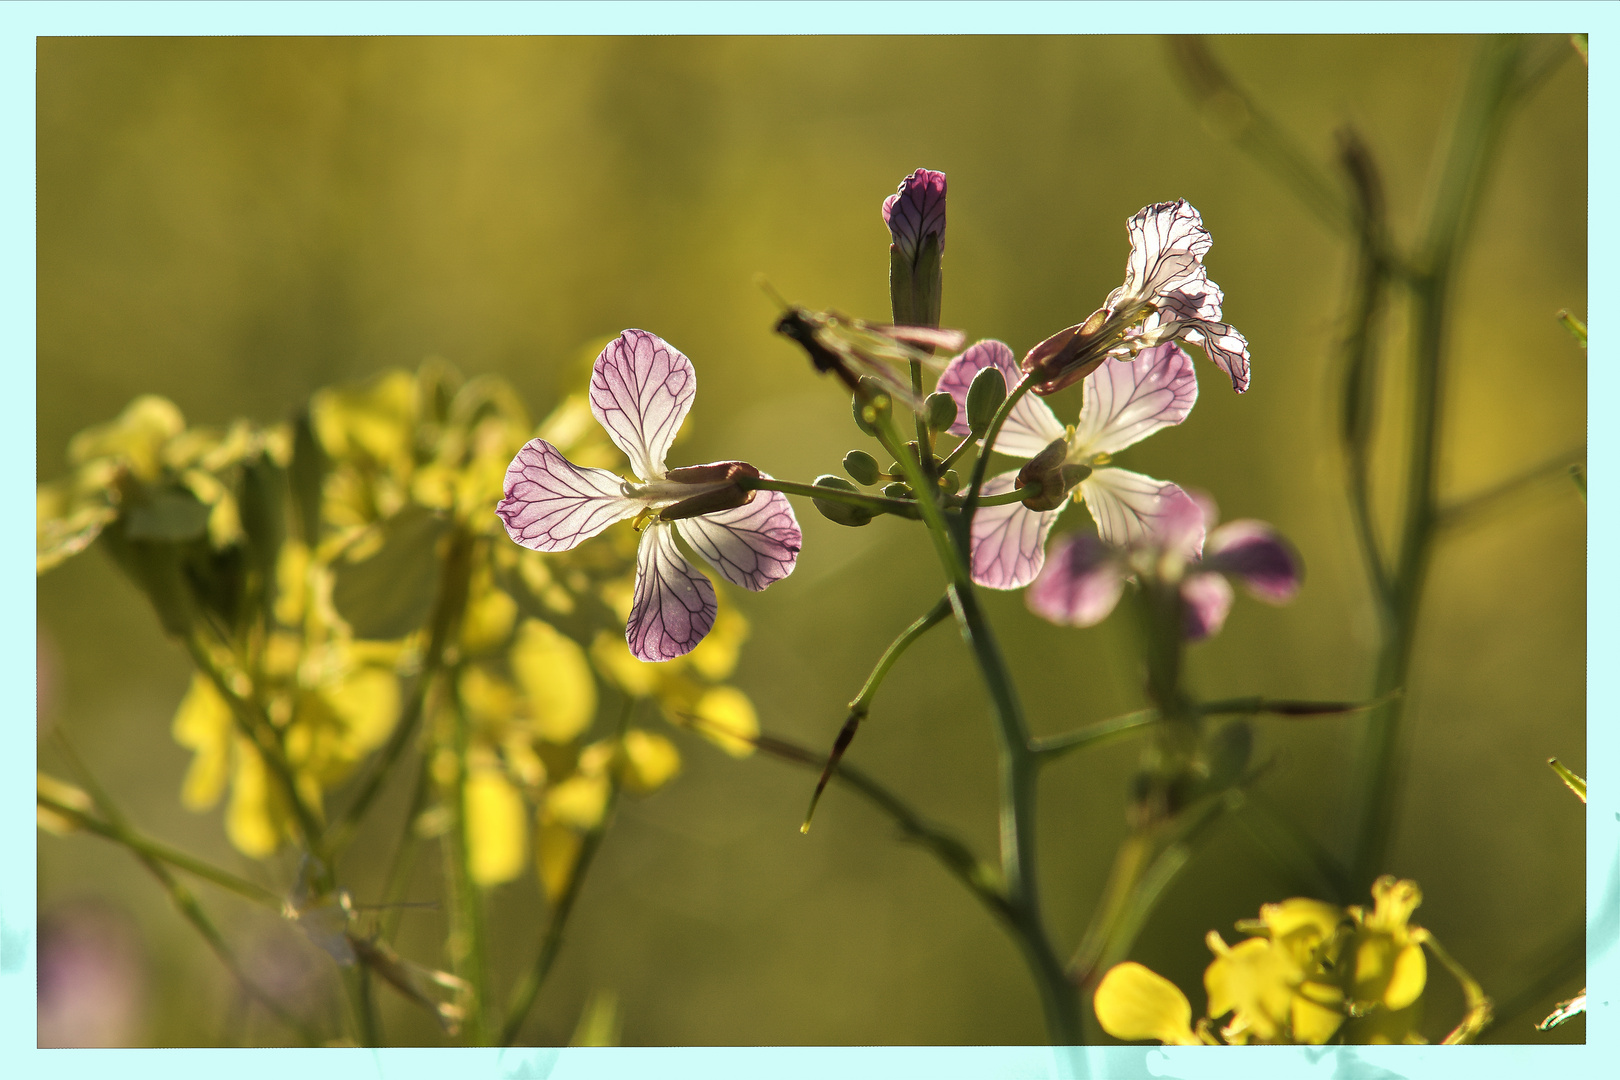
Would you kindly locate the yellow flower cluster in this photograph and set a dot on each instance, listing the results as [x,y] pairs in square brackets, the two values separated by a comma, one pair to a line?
[356,578]
[1311,972]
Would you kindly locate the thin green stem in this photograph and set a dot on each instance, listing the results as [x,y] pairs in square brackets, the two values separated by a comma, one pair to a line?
[956,452]
[449,605]
[528,988]
[878,504]
[1018,765]
[1467,510]
[861,707]
[180,896]
[1474,139]
[981,464]
[933,617]
[1051,747]
[256,726]
[152,849]
[978,876]
[1257,706]
[468,945]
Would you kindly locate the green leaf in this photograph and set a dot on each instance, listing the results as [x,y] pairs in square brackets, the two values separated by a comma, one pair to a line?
[390,594]
[166,515]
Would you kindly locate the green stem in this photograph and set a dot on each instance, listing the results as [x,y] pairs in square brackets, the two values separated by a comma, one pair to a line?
[878,504]
[152,849]
[468,946]
[528,989]
[449,605]
[1467,510]
[861,707]
[936,614]
[1019,766]
[1474,138]
[182,898]
[979,877]
[1051,747]
[252,722]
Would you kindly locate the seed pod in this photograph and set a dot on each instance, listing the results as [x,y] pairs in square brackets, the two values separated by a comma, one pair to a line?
[941,411]
[950,483]
[838,512]
[985,395]
[861,466]
[897,490]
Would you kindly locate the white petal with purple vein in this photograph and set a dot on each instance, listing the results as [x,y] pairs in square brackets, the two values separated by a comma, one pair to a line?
[1168,244]
[751,545]
[1028,428]
[1130,508]
[674,603]
[1126,401]
[1009,542]
[552,504]
[641,389]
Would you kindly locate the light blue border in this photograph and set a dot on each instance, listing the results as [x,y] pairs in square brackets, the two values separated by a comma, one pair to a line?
[20,23]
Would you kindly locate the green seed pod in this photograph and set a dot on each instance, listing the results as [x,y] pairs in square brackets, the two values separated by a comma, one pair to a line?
[861,466]
[897,490]
[838,512]
[985,395]
[941,411]
[950,483]
[859,407]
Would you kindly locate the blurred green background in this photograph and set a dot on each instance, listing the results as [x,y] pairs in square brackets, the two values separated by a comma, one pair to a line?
[233,223]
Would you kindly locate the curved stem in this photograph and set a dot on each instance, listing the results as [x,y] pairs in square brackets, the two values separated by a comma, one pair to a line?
[1018,764]
[862,705]
[1473,142]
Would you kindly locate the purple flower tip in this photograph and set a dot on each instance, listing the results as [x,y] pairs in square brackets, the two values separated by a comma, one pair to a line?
[1254,554]
[917,210]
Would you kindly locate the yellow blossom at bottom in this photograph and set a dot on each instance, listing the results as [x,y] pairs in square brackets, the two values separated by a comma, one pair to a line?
[1133,1003]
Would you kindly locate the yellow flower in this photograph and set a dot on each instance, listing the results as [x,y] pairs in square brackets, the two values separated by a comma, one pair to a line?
[651,761]
[556,680]
[1390,968]
[497,827]
[1134,1003]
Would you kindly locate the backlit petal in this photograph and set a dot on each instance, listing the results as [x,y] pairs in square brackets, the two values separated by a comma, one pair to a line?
[1130,508]
[1225,347]
[674,604]
[1126,401]
[1081,584]
[1205,600]
[751,545]
[1009,542]
[1256,555]
[917,210]
[1030,425]
[1168,244]
[552,504]
[641,389]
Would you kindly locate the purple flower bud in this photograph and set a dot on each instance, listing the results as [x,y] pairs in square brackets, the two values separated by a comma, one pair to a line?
[915,211]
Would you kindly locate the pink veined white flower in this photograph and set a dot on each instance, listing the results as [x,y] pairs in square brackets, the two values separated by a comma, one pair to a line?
[1167,296]
[641,391]
[1084,578]
[1124,402]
